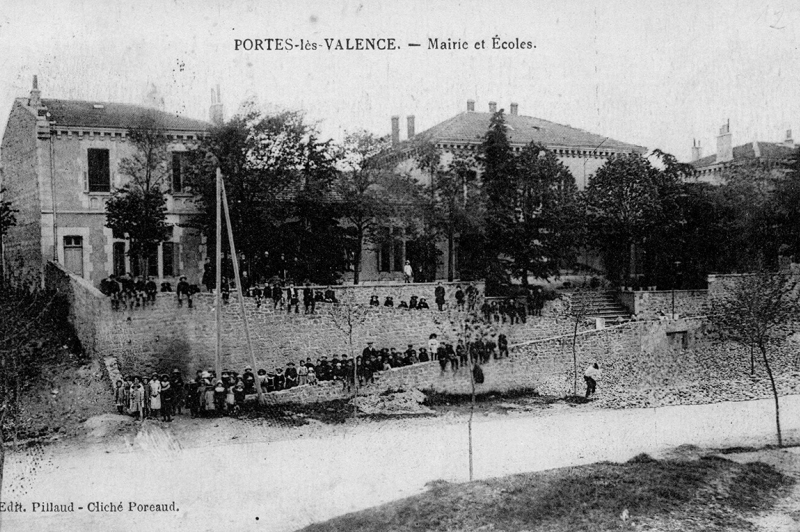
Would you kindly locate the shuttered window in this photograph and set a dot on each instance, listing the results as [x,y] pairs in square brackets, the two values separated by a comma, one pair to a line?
[99,171]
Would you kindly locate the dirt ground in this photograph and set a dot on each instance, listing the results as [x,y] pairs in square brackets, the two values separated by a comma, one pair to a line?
[227,471]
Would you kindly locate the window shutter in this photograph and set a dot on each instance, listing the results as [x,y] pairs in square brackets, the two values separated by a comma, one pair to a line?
[86,181]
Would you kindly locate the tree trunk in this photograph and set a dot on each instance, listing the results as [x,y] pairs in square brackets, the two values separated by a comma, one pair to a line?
[450,261]
[357,256]
[575,358]
[774,394]
[752,361]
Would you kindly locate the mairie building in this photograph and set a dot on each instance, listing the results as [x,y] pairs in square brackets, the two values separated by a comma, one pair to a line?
[60,162]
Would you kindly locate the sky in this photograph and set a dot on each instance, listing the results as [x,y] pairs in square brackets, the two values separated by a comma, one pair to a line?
[657,73]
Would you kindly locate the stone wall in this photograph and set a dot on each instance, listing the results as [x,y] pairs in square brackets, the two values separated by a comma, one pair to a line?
[20,163]
[88,307]
[651,304]
[162,335]
[642,366]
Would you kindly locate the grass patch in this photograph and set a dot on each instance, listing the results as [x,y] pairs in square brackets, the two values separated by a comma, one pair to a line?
[710,494]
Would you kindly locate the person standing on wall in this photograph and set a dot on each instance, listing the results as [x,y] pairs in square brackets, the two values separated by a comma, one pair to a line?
[591,376]
[439,295]
[408,273]
[459,298]
[276,294]
[292,299]
[308,299]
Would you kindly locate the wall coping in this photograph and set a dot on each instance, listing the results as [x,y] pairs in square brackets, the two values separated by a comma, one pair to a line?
[80,280]
[682,291]
[594,331]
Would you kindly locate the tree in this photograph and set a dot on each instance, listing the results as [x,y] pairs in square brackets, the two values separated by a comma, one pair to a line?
[349,315]
[279,180]
[581,306]
[755,310]
[138,210]
[544,234]
[459,205]
[622,208]
[499,184]
[8,219]
[373,196]
[468,328]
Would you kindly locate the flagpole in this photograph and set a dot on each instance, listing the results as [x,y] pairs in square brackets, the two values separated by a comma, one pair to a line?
[239,288]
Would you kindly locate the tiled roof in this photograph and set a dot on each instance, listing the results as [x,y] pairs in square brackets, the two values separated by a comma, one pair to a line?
[114,115]
[471,127]
[769,151]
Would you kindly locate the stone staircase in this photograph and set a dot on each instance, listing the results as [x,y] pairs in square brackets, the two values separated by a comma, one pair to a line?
[601,304]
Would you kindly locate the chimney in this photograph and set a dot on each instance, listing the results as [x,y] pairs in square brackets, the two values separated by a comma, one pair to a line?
[789,142]
[697,150]
[410,123]
[514,108]
[492,107]
[36,95]
[470,106]
[216,113]
[724,144]
[395,130]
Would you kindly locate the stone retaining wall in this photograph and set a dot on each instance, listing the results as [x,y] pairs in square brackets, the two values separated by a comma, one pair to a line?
[650,304]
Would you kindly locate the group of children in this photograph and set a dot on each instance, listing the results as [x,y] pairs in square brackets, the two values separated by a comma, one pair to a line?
[463,299]
[206,395]
[130,292]
[147,398]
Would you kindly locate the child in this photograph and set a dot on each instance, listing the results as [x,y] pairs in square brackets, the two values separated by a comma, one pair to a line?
[238,396]
[119,396]
[137,399]
[312,376]
[302,374]
[155,396]
[146,403]
[219,394]
[167,397]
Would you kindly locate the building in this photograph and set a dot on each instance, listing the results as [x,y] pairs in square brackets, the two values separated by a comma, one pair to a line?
[711,169]
[60,161]
[580,151]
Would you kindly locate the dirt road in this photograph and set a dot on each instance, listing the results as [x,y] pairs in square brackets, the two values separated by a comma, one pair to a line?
[264,481]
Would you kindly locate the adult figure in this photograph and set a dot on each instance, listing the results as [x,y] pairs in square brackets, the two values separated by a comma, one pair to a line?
[591,376]
[292,299]
[459,298]
[308,299]
[408,273]
[275,293]
[439,295]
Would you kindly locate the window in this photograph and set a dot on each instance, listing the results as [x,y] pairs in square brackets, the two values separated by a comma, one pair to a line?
[178,171]
[152,262]
[73,254]
[385,256]
[170,258]
[397,249]
[99,174]
[119,258]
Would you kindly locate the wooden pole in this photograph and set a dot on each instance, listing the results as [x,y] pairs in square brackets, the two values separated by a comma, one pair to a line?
[218,358]
[239,289]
